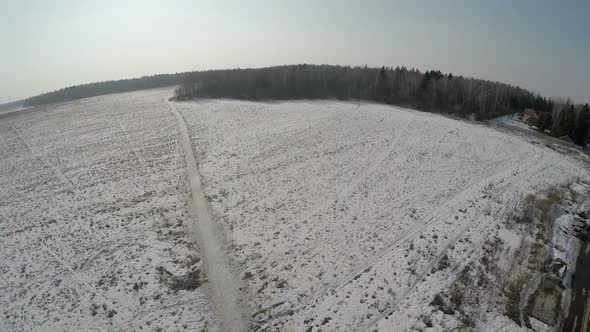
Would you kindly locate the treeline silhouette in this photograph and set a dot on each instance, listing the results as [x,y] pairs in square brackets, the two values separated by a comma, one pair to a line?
[103,88]
[566,120]
[430,91]
[11,105]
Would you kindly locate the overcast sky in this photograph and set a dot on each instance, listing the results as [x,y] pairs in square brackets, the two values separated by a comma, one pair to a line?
[541,45]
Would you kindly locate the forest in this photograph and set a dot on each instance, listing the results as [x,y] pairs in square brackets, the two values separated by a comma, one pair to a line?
[430,91]
[102,88]
[11,105]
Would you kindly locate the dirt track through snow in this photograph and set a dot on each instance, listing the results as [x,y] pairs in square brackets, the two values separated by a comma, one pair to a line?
[94,217]
[340,215]
[224,291]
[336,215]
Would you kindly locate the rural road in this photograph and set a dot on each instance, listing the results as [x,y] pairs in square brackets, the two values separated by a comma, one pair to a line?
[579,312]
[224,289]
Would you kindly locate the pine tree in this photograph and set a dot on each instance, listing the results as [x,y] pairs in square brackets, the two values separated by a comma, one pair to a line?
[382,86]
[582,128]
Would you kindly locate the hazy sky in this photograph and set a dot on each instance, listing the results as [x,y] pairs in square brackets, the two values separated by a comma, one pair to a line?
[542,45]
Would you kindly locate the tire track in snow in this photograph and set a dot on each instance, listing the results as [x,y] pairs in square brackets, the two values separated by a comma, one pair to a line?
[135,150]
[348,189]
[430,218]
[224,288]
[503,212]
[435,216]
[59,174]
[75,276]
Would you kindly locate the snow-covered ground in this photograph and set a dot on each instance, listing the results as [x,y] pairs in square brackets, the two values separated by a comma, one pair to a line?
[337,215]
[338,212]
[510,121]
[93,219]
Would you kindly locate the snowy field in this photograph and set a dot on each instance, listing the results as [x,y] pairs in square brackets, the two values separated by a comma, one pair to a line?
[335,215]
[93,218]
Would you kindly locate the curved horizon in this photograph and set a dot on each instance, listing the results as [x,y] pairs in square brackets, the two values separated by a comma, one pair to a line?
[49,46]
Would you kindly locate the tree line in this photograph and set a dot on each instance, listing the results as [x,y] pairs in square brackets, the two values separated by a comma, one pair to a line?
[566,119]
[430,91]
[11,105]
[102,88]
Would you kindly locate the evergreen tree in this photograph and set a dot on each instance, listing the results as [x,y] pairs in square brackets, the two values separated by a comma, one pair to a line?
[544,121]
[430,91]
[570,121]
[382,86]
[582,127]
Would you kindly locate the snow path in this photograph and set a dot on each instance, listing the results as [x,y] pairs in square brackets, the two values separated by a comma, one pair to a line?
[86,229]
[338,215]
[56,171]
[335,215]
[328,298]
[224,290]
